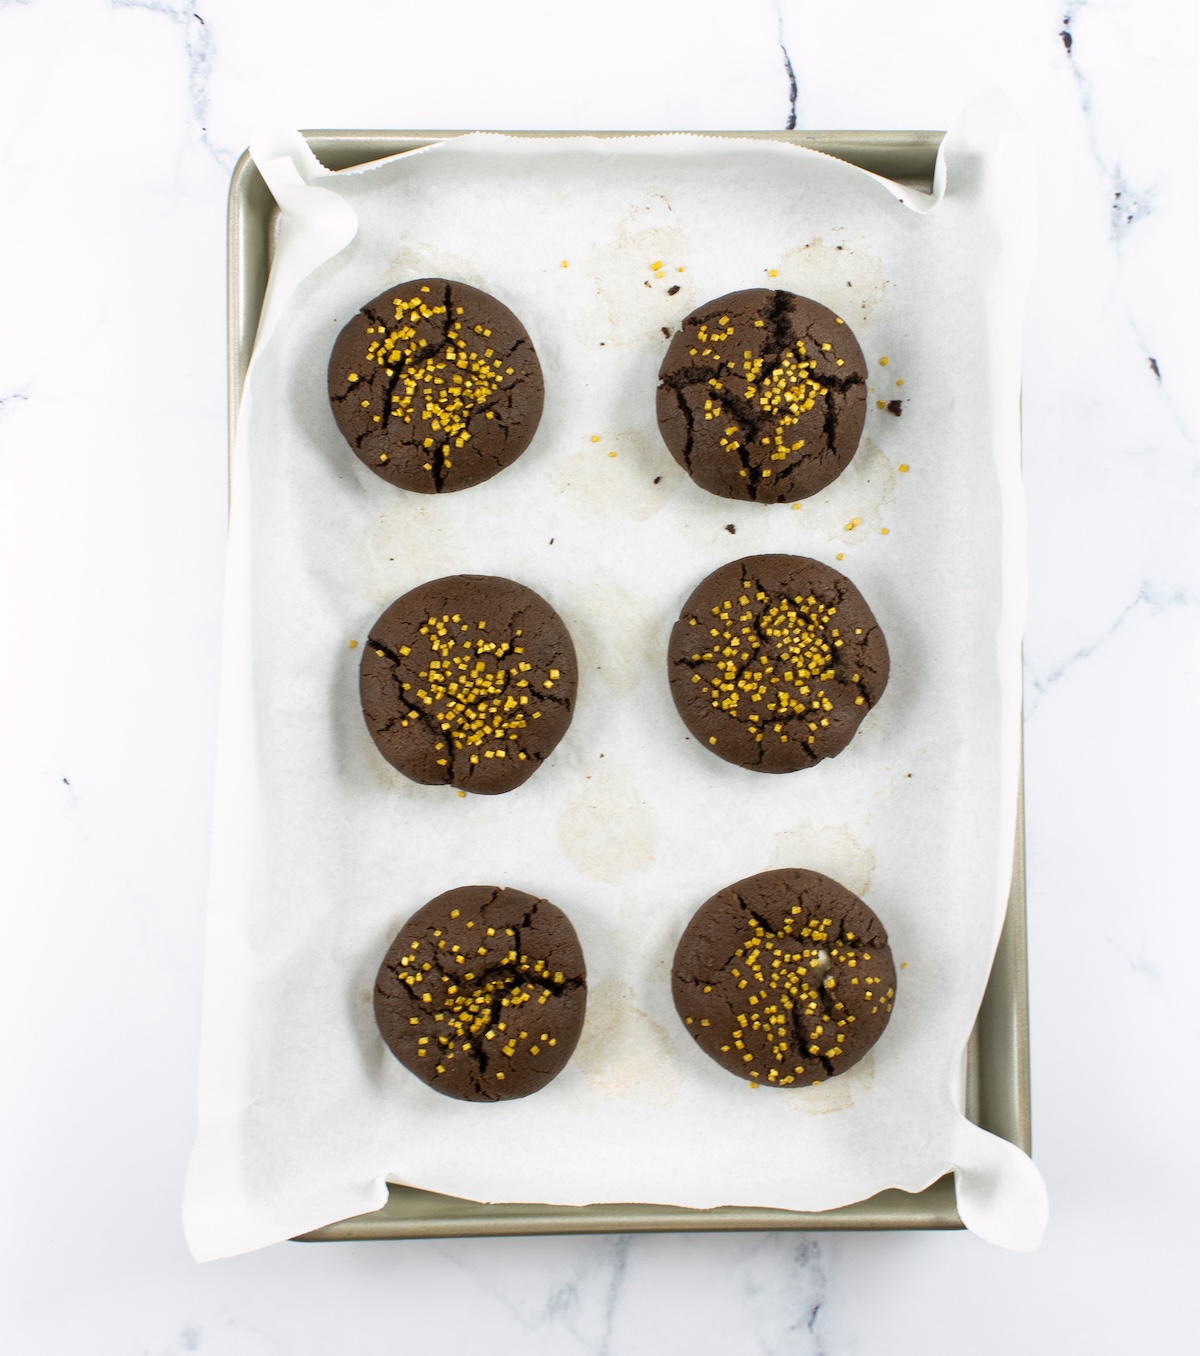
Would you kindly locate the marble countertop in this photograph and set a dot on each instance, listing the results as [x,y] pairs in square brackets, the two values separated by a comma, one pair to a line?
[122,122]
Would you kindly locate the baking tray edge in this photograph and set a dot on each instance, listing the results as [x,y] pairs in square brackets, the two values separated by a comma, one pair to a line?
[997,1087]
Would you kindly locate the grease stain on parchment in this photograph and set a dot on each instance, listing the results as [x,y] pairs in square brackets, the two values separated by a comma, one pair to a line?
[621,1048]
[865,491]
[631,301]
[600,485]
[601,610]
[417,259]
[606,828]
[837,1094]
[830,849]
[822,271]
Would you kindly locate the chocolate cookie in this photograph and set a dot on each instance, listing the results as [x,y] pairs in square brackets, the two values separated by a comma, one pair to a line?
[762,396]
[468,681]
[435,385]
[785,977]
[482,993]
[774,662]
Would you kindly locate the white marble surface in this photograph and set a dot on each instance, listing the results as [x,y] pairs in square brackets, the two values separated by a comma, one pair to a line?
[121,122]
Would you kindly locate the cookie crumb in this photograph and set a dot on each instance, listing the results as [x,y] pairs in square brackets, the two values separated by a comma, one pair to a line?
[730,528]
[675,288]
[666,333]
[657,479]
[895,407]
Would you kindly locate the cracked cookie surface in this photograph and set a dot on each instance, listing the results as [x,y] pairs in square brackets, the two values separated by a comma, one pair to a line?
[482,993]
[775,661]
[785,978]
[436,386]
[762,396]
[468,681]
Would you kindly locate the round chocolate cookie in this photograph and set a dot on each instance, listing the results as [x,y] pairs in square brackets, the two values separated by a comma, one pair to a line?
[435,385]
[774,662]
[762,396]
[468,681]
[482,993]
[784,978]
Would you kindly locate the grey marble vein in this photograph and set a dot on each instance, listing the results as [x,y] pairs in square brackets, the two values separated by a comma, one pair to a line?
[786,1290]
[1128,204]
[793,87]
[619,1261]
[13,398]
[1149,597]
[199,54]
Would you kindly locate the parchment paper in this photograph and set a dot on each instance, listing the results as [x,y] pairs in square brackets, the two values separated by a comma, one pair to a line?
[321,850]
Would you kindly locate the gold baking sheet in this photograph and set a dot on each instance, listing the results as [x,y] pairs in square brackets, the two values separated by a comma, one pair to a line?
[997,1085]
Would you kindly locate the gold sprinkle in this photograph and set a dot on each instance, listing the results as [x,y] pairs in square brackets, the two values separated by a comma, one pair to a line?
[566,263]
[354,644]
[903,466]
[883,362]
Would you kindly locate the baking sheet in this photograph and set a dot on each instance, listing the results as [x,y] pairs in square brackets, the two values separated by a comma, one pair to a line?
[289,888]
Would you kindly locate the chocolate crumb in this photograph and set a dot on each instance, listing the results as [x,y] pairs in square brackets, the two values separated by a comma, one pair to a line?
[895,407]
[672,290]
[666,333]
[657,479]
[729,527]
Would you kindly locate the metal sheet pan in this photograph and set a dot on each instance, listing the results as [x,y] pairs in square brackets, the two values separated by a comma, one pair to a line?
[997,1083]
